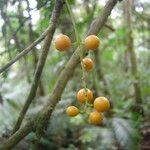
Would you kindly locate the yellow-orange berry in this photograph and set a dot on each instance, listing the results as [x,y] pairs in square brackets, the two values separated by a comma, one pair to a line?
[83,94]
[62,42]
[72,111]
[95,117]
[87,63]
[101,104]
[91,42]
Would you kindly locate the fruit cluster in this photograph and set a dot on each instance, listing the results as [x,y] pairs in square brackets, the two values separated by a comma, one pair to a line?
[101,104]
[85,96]
[63,42]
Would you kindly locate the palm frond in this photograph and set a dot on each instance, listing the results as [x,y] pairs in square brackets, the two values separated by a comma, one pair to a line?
[126,135]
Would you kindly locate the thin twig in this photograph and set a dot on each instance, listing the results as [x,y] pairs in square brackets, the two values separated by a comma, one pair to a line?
[109,27]
[20,26]
[73,22]
[25,51]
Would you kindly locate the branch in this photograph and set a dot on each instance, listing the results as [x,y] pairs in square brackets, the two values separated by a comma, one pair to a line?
[25,51]
[20,134]
[109,27]
[41,62]
[1,99]
[20,26]
[101,20]
[19,47]
[35,57]
[34,51]
[62,80]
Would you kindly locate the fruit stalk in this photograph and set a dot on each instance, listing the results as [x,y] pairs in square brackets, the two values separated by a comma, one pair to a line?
[79,45]
[73,22]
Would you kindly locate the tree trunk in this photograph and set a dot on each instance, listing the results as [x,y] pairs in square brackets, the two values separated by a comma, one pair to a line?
[130,48]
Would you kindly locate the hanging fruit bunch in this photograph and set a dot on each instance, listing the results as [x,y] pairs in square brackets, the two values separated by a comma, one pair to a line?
[92,111]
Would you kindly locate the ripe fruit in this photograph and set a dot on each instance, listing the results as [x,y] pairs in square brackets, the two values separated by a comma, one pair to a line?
[83,94]
[72,111]
[62,42]
[95,117]
[101,104]
[88,63]
[91,42]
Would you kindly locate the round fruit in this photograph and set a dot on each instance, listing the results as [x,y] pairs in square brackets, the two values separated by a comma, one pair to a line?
[72,111]
[95,117]
[62,42]
[83,94]
[88,63]
[101,104]
[92,42]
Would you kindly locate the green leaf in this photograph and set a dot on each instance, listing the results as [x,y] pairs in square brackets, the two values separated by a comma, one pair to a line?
[127,136]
